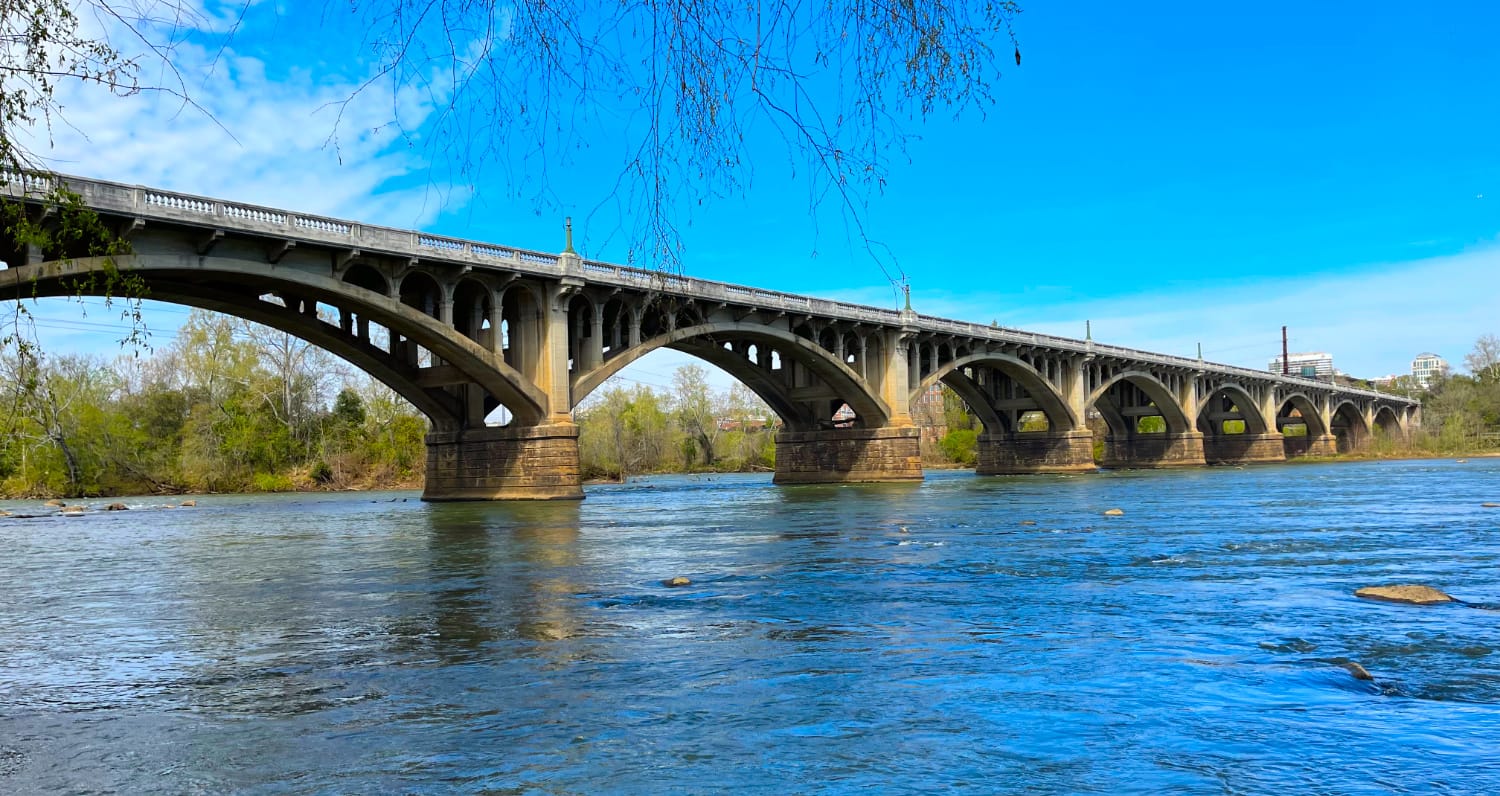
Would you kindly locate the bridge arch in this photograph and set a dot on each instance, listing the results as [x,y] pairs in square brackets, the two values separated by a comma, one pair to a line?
[234,286]
[1059,416]
[1347,424]
[1307,411]
[1176,420]
[708,342]
[1389,423]
[1246,406]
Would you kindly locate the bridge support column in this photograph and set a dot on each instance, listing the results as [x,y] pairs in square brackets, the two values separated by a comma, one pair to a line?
[849,455]
[1036,452]
[1154,450]
[1244,448]
[532,463]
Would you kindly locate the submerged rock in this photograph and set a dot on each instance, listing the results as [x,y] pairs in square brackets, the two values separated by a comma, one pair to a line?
[1359,672]
[673,583]
[1115,513]
[1028,522]
[1405,593]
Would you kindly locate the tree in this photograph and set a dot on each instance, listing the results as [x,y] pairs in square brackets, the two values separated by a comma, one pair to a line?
[688,96]
[1484,360]
[693,408]
[698,84]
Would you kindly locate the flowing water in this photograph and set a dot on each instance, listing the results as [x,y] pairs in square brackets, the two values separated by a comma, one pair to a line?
[886,638]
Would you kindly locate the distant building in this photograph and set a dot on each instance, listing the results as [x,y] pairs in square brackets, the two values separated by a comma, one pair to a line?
[1427,368]
[928,412]
[1312,365]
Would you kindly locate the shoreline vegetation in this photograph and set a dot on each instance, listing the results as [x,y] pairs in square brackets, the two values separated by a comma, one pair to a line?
[232,407]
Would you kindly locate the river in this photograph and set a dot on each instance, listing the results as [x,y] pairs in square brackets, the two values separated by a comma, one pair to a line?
[882,638]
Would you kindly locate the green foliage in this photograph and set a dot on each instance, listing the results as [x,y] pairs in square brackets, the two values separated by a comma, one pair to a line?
[1151,424]
[626,431]
[961,446]
[226,407]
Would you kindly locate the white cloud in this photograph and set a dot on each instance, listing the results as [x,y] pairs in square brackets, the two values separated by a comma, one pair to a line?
[256,139]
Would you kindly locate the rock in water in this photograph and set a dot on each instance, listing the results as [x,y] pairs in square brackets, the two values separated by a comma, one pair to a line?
[1406,593]
[71,510]
[1359,672]
[189,503]
[55,503]
[676,582]
[116,507]
[1028,522]
[1115,513]
[1489,505]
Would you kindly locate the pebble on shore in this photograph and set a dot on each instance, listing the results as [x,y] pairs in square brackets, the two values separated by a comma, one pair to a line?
[1405,593]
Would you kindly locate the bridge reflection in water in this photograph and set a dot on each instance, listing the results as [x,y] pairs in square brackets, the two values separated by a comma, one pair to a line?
[460,328]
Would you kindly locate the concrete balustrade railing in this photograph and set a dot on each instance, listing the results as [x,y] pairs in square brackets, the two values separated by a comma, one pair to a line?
[154,204]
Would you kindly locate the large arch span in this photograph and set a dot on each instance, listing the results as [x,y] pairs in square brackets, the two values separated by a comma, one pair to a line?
[728,346]
[235,286]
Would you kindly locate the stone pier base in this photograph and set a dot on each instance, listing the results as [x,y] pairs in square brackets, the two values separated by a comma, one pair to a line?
[848,455]
[1325,445]
[1036,452]
[1244,448]
[535,463]
[1154,450]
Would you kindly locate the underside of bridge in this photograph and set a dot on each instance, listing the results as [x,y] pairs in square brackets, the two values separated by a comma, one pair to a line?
[462,330]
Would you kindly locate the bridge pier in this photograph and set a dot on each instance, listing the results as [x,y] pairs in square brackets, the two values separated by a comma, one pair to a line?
[1244,448]
[528,463]
[1310,445]
[1013,453]
[848,455]
[1154,450]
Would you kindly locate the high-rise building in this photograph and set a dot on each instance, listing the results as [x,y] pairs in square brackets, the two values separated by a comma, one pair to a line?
[1312,365]
[1427,368]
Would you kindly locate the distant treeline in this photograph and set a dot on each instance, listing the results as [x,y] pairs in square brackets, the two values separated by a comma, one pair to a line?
[227,406]
[1460,414]
[689,427]
[231,406]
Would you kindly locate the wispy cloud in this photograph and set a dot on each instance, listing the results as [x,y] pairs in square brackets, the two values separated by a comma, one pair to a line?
[254,138]
[1373,321]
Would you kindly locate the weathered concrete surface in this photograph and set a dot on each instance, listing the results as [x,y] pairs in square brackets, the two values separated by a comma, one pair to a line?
[1036,452]
[534,463]
[1243,448]
[1154,450]
[848,455]
[1405,593]
[1322,445]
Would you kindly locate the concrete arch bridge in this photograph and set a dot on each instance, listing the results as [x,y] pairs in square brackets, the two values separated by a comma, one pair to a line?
[459,328]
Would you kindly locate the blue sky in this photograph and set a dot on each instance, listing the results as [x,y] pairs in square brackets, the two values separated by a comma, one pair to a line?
[1175,173]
